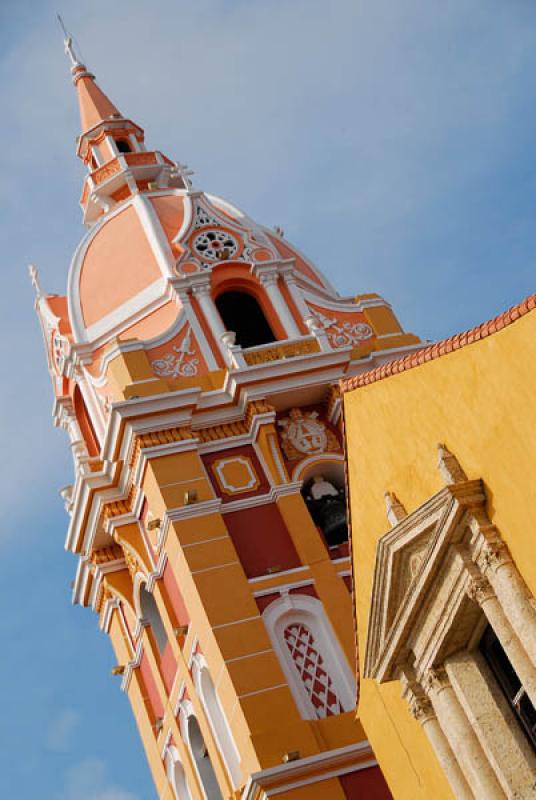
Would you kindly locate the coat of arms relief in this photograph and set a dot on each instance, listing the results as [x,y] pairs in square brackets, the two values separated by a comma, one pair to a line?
[304,434]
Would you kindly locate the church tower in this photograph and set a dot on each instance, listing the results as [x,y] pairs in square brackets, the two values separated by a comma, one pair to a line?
[195,360]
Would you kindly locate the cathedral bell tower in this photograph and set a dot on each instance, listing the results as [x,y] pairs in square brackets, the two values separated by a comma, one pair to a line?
[195,361]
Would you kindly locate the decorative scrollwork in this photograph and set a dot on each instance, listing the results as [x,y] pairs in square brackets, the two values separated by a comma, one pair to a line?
[181,363]
[341,334]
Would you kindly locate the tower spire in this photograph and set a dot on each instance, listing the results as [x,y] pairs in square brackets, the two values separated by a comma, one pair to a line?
[95,106]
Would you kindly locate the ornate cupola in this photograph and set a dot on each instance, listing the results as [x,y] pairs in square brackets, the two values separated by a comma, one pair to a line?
[195,360]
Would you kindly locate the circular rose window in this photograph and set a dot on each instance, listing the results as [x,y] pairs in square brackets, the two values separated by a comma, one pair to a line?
[215,244]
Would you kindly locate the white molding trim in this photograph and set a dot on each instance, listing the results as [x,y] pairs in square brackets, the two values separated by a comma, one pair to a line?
[281,574]
[284,778]
[149,299]
[320,458]
[283,588]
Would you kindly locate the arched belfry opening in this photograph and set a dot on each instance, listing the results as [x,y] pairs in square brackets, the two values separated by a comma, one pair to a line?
[324,494]
[242,314]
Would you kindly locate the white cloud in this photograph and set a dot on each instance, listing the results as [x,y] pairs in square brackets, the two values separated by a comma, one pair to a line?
[60,734]
[88,781]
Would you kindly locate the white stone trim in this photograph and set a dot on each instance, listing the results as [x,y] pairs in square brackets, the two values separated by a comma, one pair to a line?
[154,234]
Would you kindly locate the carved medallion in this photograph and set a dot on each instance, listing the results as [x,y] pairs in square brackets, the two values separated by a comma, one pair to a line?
[303,434]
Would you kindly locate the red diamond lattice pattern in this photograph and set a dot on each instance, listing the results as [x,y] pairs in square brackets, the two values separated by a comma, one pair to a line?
[308,661]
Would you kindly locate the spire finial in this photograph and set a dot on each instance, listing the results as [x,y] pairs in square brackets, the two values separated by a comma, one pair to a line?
[68,42]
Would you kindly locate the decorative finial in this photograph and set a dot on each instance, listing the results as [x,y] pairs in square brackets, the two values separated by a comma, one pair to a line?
[449,466]
[68,42]
[34,277]
[394,509]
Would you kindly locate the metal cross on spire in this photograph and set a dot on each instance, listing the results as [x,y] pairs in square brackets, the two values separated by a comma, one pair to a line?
[68,42]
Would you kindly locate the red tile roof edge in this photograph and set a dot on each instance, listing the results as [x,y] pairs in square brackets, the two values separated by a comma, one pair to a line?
[441,348]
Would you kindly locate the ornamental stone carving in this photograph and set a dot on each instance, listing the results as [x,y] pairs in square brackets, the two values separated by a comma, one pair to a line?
[421,708]
[479,590]
[303,434]
[494,554]
[436,679]
[340,333]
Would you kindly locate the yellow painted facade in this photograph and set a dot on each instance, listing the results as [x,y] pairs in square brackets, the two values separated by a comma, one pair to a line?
[479,401]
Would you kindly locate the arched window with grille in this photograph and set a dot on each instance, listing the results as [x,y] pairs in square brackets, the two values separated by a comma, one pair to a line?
[312,659]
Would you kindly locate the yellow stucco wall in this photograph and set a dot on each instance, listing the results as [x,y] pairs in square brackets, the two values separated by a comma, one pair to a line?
[479,401]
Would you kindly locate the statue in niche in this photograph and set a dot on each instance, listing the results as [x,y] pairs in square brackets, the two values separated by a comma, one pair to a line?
[327,506]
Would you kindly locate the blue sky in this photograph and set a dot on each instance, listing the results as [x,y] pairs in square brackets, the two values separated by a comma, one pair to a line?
[394,143]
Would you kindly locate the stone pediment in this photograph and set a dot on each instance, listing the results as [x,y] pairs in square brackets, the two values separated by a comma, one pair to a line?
[411,561]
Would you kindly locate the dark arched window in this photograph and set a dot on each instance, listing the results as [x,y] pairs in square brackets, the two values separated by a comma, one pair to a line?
[123,146]
[242,314]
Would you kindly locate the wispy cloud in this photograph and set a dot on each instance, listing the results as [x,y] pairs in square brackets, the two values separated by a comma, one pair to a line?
[87,781]
[61,731]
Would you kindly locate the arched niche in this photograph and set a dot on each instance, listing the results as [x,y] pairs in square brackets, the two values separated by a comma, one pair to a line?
[241,312]
[324,493]
[218,722]
[150,614]
[194,738]
[176,775]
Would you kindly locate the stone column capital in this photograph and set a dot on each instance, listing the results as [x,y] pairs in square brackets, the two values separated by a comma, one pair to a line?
[421,708]
[494,554]
[479,589]
[436,679]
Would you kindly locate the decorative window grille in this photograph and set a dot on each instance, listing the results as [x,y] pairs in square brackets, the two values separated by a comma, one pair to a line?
[310,666]
[215,244]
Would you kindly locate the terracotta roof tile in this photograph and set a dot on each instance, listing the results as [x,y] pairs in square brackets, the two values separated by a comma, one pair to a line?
[444,346]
